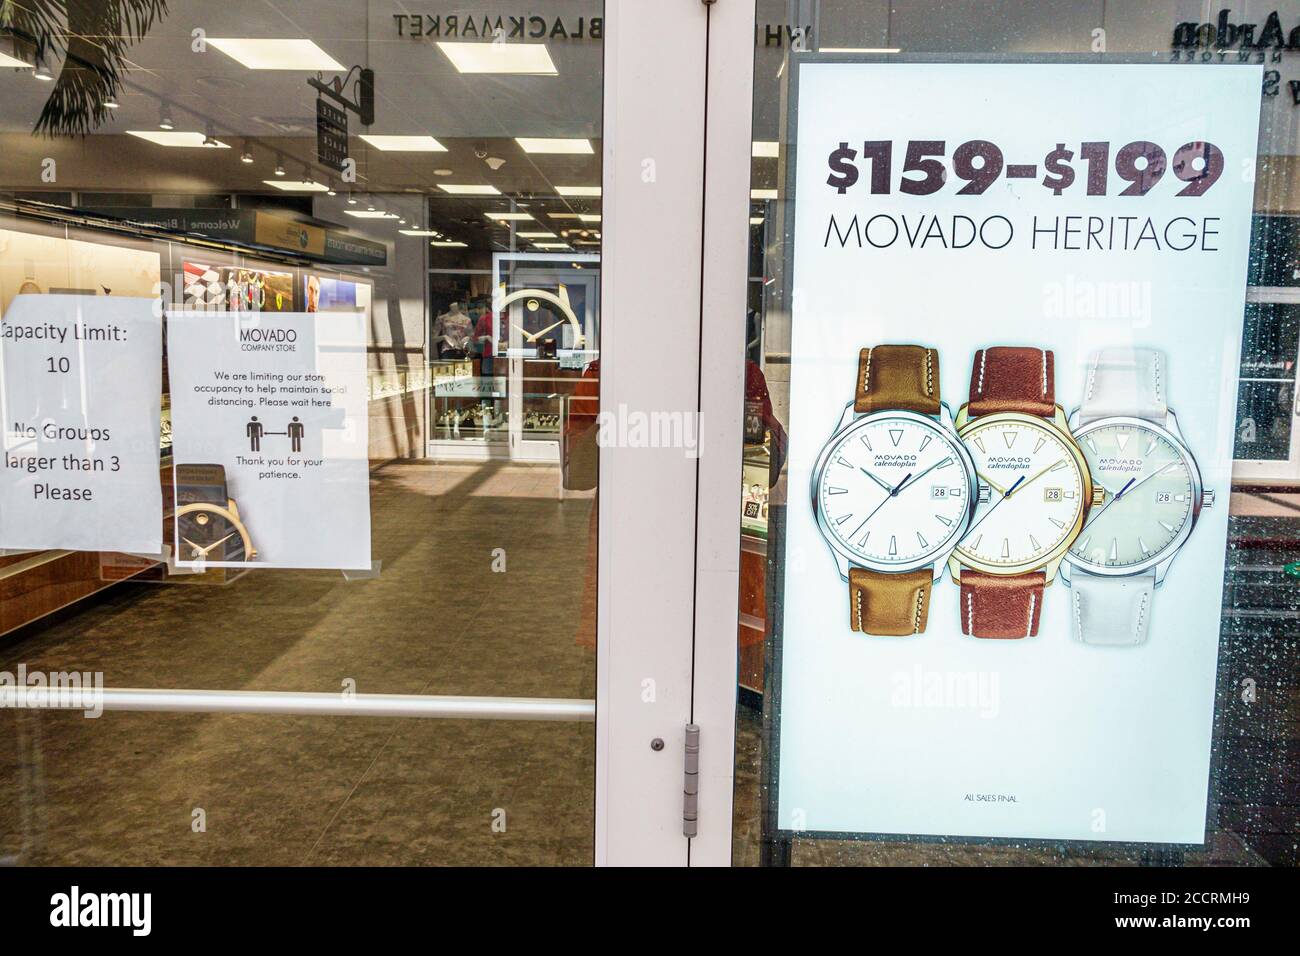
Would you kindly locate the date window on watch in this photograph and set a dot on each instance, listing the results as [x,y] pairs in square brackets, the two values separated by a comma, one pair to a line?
[1163,497]
[943,492]
[1053,494]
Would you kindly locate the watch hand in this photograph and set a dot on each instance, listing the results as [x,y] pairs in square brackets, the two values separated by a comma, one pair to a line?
[215,543]
[1102,510]
[1035,478]
[1144,480]
[549,327]
[991,483]
[874,478]
[889,497]
[907,483]
[1005,495]
[527,336]
[1132,485]
[198,549]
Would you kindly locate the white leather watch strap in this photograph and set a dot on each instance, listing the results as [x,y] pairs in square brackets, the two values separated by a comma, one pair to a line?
[1114,611]
[1125,382]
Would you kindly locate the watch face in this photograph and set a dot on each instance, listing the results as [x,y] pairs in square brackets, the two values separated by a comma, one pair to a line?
[893,491]
[208,535]
[1036,493]
[1150,493]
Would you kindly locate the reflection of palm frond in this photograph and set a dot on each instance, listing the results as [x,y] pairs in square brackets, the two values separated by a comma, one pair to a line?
[92,36]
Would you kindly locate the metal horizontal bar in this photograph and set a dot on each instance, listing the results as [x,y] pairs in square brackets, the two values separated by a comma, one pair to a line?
[89,698]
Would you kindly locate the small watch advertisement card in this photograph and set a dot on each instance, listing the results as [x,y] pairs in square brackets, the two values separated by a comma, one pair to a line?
[1016,305]
[270,439]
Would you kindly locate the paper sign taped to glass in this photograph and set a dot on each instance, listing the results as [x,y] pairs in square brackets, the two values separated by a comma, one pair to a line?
[80,389]
[270,439]
[1017,301]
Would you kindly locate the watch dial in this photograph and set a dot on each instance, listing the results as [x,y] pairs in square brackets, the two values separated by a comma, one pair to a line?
[893,491]
[1035,493]
[208,536]
[1148,496]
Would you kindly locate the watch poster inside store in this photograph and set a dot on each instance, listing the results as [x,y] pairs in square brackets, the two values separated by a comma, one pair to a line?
[80,396]
[269,438]
[1017,296]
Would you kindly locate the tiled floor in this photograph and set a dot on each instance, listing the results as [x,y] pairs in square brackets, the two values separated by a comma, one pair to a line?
[127,787]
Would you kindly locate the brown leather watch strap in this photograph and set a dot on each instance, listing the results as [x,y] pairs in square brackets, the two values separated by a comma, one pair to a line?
[889,605]
[898,376]
[1002,606]
[1006,379]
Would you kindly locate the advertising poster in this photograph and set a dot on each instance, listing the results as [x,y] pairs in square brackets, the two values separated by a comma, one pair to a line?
[331,294]
[80,386]
[237,290]
[269,421]
[1017,296]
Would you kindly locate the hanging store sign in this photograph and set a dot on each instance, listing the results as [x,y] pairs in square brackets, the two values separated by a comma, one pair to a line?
[1004,622]
[80,387]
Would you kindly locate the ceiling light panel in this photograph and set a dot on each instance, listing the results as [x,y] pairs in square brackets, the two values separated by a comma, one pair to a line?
[369,214]
[469,190]
[766,149]
[177,138]
[578,190]
[297,185]
[470,57]
[276,54]
[508,216]
[571,147]
[404,144]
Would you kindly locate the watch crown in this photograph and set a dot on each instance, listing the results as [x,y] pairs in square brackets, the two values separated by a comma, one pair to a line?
[982,493]
[1098,495]
[1207,498]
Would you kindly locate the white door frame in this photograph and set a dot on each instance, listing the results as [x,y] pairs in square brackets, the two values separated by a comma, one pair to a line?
[674,249]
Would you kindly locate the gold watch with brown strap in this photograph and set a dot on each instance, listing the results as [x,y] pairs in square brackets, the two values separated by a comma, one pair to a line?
[1039,491]
[893,489]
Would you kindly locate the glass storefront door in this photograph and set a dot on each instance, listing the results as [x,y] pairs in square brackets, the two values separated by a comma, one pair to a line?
[303,322]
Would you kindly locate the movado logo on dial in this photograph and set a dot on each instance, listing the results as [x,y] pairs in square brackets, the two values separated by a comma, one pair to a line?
[895,460]
[1119,464]
[1008,461]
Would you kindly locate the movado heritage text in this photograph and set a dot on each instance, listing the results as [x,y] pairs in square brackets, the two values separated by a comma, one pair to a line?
[1153,496]
[893,489]
[208,525]
[1040,492]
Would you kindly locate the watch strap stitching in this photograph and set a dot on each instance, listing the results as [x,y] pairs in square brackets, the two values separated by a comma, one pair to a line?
[1044,351]
[983,356]
[1142,610]
[1029,624]
[866,375]
[920,604]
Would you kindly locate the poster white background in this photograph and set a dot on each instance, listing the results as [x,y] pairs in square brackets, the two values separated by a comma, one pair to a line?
[81,382]
[303,509]
[1091,742]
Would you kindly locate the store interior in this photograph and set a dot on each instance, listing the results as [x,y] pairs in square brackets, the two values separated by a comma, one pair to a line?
[177,162]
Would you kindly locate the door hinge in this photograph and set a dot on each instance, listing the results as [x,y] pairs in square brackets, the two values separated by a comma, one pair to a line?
[691,782]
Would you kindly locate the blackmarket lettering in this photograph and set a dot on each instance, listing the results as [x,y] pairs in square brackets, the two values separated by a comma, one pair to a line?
[524,27]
